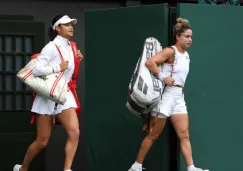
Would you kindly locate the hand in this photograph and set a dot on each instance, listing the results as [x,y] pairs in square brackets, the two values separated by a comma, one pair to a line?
[64,65]
[169,81]
[79,55]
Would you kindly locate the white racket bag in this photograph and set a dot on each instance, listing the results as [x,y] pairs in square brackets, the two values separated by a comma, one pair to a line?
[145,89]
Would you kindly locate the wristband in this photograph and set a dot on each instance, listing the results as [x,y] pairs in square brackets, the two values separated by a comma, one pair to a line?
[161,76]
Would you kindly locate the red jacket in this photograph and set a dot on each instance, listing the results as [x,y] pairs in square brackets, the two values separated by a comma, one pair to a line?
[72,84]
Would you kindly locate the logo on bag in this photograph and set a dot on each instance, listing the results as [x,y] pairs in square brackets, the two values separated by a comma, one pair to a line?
[149,53]
[149,49]
[142,86]
[156,85]
[43,77]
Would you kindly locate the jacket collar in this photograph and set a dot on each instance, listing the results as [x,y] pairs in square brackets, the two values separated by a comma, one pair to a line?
[61,41]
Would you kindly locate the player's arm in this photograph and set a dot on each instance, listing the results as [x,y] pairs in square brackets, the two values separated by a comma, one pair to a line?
[161,57]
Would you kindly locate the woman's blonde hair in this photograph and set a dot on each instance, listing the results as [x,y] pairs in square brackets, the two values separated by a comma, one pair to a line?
[181,26]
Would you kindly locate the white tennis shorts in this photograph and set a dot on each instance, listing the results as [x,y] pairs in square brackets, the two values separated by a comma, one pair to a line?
[172,103]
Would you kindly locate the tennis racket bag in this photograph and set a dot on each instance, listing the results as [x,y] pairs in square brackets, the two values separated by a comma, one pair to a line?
[145,89]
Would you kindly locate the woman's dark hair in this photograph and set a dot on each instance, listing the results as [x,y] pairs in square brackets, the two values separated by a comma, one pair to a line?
[181,26]
[53,33]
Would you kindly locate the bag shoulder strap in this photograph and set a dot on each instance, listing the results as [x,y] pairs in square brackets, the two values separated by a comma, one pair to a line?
[73,44]
[59,52]
[74,49]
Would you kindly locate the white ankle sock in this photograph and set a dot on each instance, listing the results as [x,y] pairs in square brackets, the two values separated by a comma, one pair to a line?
[190,168]
[136,165]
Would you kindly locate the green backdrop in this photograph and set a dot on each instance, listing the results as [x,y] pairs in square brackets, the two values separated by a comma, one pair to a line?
[114,41]
[214,86]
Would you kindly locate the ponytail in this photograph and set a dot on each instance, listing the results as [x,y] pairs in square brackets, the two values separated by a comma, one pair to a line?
[51,33]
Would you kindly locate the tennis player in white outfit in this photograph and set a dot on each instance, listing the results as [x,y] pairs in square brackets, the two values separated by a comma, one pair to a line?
[174,72]
[49,62]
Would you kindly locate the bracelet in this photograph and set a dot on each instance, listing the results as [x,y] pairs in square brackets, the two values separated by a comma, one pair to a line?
[161,76]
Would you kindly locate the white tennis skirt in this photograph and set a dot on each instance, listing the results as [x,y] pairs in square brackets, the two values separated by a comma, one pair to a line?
[44,106]
[172,103]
